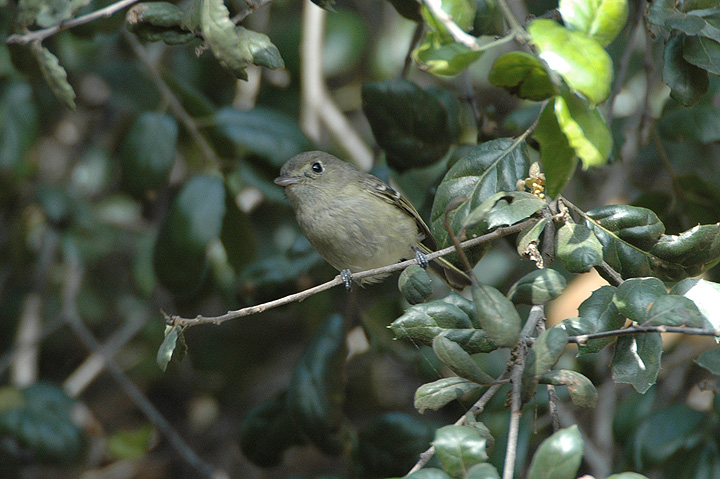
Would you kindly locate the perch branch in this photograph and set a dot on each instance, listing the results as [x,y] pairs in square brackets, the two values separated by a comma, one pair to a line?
[582,339]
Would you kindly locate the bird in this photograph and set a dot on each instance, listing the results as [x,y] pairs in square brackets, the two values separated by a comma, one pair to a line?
[356,221]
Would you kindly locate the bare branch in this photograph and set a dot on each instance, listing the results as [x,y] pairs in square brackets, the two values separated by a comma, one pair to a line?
[582,339]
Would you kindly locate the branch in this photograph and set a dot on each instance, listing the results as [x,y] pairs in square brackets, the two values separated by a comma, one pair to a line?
[174,320]
[582,339]
[40,35]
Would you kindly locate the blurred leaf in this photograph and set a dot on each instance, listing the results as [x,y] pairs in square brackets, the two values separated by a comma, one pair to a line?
[580,60]
[260,49]
[710,360]
[674,310]
[703,53]
[489,18]
[194,220]
[432,396]
[415,284]
[18,125]
[632,411]
[409,9]
[686,81]
[558,158]
[637,360]
[443,57]
[411,124]
[167,348]
[130,444]
[346,37]
[428,473]
[627,475]
[537,287]
[635,296]
[706,296]
[578,248]
[462,13]
[483,171]
[600,313]
[148,153]
[459,448]
[47,13]
[391,443]
[522,75]
[663,13]
[237,236]
[701,123]
[459,361]
[666,432]
[317,388]
[497,315]
[325,4]
[584,128]
[581,389]
[482,471]
[159,21]
[600,20]
[558,456]
[267,431]
[55,75]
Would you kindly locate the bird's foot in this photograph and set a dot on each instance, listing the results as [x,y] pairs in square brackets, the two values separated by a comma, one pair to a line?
[421,259]
[347,278]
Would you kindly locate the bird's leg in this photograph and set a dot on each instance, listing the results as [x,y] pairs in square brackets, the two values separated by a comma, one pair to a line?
[421,259]
[347,278]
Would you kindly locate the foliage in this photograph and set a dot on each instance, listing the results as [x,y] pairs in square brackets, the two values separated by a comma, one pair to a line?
[137,153]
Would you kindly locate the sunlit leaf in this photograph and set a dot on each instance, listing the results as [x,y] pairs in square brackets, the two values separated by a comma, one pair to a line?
[558,456]
[432,396]
[522,74]
[600,20]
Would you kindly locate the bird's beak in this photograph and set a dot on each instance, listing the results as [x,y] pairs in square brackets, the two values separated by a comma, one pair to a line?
[285,180]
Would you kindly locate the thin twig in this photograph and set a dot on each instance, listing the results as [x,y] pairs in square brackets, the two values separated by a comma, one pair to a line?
[417,35]
[582,339]
[40,35]
[498,233]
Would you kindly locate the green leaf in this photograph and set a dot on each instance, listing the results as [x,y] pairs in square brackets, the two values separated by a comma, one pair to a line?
[580,60]
[635,296]
[584,128]
[710,360]
[482,171]
[706,296]
[600,313]
[548,348]
[503,209]
[558,456]
[443,57]
[581,389]
[497,315]
[693,251]
[55,75]
[537,287]
[530,236]
[459,448]
[600,20]
[432,396]
[627,475]
[325,4]
[639,227]
[48,13]
[409,9]
[482,471]
[159,21]
[148,153]
[667,432]
[578,248]
[423,322]
[317,388]
[261,50]
[18,125]
[637,360]
[663,13]
[415,284]
[700,123]
[523,75]
[558,158]
[686,81]
[267,431]
[674,310]
[462,13]
[167,348]
[130,444]
[459,361]
[427,473]
[703,53]
[194,220]
[391,443]
[411,124]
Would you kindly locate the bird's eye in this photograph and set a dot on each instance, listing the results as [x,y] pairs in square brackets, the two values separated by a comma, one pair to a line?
[317,167]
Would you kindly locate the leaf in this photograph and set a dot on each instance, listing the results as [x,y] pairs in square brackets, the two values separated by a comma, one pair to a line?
[18,125]
[261,50]
[415,284]
[700,123]
[548,348]
[558,158]
[637,360]
[635,296]
[706,296]
[667,432]
[148,153]
[537,287]
[411,124]
[710,360]
[530,236]
[693,251]
[130,444]
[159,21]
[167,348]
[409,9]
[443,57]
[558,456]
[581,61]
[459,361]
[522,75]
[581,389]
[459,448]
[483,471]
[497,315]
[578,248]
[55,75]
[686,81]
[484,170]
[432,396]
[503,209]
[584,128]
[316,393]
[428,473]
[674,310]
[423,322]
[600,20]
[627,475]
[462,13]
[663,13]
[637,226]
[600,313]
[703,53]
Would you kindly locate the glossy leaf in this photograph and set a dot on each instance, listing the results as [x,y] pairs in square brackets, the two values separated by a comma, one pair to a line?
[710,360]
[459,448]
[635,296]
[443,57]
[706,296]
[639,227]
[55,75]
[674,310]
[415,284]
[637,360]
[581,389]
[18,125]
[459,361]
[600,313]
[667,432]
[578,248]
[688,254]
[584,128]
[558,456]
[148,153]
[423,322]
[317,388]
[503,209]
[497,315]
[523,75]
[686,81]
[432,396]
[159,21]
[537,287]
[548,348]
[703,53]
[600,20]
[409,123]
[482,172]
[579,60]
[558,158]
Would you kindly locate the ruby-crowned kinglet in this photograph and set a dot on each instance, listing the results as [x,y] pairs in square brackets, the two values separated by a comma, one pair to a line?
[355,221]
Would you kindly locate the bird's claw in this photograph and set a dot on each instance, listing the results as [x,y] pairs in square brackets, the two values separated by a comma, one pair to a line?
[421,259]
[347,278]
